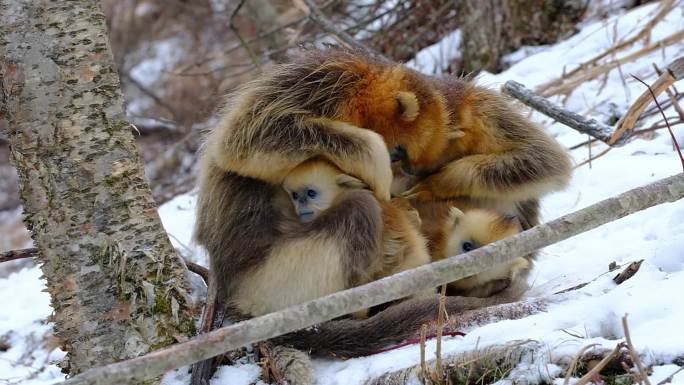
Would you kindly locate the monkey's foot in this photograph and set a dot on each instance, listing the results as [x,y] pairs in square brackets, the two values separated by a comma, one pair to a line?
[294,365]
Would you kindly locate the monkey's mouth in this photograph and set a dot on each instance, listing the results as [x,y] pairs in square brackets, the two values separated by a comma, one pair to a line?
[306,216]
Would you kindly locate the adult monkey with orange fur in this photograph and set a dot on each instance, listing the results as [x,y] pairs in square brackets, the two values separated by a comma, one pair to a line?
[295,113]
[495,157]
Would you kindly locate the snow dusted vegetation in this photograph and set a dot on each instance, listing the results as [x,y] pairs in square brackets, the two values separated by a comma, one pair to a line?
[590,315]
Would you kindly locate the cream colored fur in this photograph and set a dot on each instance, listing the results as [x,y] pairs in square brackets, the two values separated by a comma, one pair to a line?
[295,272]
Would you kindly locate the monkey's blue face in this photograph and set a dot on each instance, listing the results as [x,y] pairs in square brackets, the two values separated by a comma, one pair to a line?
[468,245]
[307,202]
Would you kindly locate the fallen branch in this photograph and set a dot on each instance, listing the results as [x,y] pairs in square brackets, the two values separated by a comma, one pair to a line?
[591,127]
[388,289]
[573,120]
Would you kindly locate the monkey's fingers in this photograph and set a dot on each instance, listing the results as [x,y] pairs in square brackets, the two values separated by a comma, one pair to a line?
[419,193]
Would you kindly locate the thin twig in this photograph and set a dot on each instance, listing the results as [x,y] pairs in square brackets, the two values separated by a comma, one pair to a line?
[669,378]
[199,270]
[633,352]
[326,25]
[423,364]
[672,135]
[441,311]
[236,31]
[11,255]
[149,93]
[600,154]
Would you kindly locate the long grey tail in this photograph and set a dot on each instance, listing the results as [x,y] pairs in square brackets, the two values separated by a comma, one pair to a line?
[348,338]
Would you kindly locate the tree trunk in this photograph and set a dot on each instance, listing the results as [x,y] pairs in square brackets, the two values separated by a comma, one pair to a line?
[117,285]
[493,28]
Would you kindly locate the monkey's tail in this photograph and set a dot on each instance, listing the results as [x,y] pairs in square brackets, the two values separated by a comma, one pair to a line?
[348,338]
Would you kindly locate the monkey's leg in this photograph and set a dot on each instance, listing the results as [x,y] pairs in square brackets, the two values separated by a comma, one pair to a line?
[294,365]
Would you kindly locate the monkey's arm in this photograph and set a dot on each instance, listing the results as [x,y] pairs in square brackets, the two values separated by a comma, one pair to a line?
[519,174]
[272,150]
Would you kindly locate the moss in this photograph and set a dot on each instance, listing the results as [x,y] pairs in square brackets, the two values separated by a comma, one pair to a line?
[161,305]
[163,342]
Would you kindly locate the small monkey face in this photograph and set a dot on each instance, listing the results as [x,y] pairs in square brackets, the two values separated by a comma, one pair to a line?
[308,202]
[476,228]
[316,185]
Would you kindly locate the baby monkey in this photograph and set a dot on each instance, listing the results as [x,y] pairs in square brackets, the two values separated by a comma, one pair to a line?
[317,185]
[472,228]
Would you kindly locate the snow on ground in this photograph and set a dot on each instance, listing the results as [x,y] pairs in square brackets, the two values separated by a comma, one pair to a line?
[590,315]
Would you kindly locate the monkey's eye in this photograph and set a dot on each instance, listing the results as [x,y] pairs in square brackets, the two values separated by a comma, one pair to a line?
[398,153]
[295,196]
[467,246]
[311,193]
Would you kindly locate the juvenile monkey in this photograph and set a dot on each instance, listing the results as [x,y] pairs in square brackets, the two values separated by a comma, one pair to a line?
[471,229]
[317,185]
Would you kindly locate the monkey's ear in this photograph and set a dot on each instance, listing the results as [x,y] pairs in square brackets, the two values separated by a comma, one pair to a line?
[455,215]
[408,105]
[348,181]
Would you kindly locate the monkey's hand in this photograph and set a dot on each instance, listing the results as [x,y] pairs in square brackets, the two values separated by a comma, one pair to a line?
[369,161]
[378,167]
[373,165]
[429,189]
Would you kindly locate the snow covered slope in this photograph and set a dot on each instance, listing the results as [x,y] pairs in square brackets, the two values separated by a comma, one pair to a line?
[652,298]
